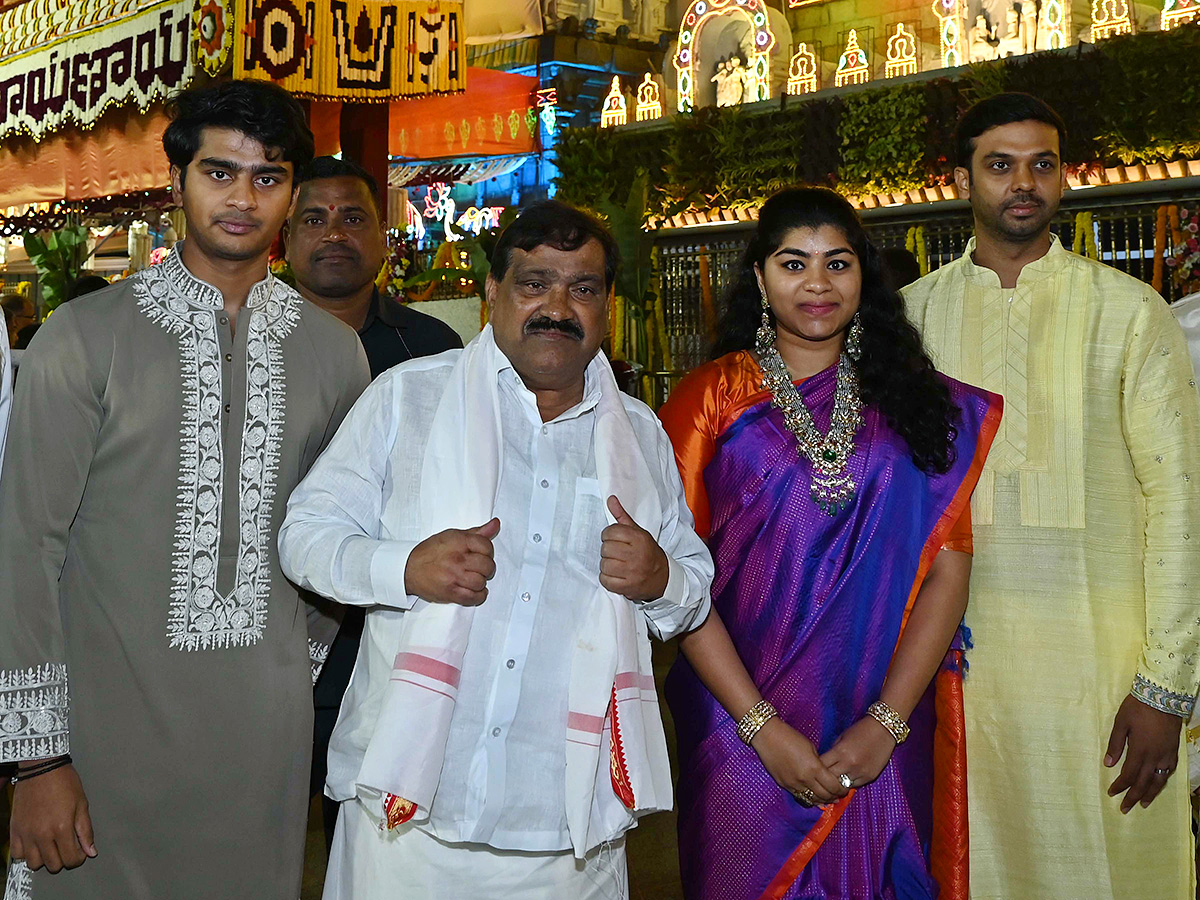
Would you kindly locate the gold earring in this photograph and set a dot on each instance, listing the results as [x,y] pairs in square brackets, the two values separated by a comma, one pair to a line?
[764,340]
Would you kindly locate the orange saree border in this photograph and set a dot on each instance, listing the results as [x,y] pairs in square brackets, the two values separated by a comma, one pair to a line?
[803,854]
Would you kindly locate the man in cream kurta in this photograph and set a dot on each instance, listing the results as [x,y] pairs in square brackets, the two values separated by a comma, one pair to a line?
[501,731]
[159,426]
[1084,587]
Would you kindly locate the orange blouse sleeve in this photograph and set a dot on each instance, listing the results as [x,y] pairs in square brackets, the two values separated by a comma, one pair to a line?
[959,536]
[691,418]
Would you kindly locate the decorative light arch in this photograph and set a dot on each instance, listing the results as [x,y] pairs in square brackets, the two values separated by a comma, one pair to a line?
[699,12]
[949,32]
[1056,26]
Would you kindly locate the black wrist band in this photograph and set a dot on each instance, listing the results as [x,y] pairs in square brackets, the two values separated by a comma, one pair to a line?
[40,769]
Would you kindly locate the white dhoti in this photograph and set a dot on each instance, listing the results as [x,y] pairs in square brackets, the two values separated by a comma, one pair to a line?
[367,863]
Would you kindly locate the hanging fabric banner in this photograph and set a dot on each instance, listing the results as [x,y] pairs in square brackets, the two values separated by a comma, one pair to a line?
[357,50]
[495,115]
[87,57]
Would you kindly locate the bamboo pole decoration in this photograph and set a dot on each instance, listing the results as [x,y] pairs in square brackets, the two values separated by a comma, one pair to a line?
[651,333]
[660,324]
[1160,247]
[706,297]
[1173,224]
[1085,238]
[619,327]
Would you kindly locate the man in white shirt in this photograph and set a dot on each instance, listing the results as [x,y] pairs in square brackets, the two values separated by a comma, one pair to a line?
[501,730]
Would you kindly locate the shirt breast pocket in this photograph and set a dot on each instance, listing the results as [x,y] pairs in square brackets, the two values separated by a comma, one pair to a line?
[587,521]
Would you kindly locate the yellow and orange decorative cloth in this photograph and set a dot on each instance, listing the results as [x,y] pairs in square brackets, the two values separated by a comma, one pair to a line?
[358,50]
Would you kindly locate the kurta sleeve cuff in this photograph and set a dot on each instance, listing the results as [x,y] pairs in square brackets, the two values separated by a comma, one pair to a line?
[387,573]
[671,613]
[1162,699]
[33,713]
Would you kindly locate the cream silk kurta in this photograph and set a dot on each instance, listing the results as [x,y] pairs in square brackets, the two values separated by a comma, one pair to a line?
[145,624]
[1086,570]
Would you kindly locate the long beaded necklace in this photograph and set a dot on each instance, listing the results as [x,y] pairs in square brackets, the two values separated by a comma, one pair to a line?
[833,488]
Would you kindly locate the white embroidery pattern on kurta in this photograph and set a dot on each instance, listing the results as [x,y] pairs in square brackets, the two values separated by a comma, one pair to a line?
[20,882]
[317,654]
[200,616]
[33,713]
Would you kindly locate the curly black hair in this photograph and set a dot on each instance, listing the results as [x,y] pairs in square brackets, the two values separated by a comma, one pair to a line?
[258,109]
[895,374]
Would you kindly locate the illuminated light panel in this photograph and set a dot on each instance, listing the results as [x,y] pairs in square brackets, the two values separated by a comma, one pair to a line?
[474,219]
[803,74]
[1110,17]
[649,103]
[1176,12]
[901,53]
[949,32]
[853,66]
[1055,24]
[415,224]
[758,82]
[614,112]
[547,106]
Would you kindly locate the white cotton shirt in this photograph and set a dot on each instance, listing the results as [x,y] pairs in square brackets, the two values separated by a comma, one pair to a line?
[503,776]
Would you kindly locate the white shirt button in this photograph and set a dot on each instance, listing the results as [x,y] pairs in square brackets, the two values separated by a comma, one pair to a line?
[525,597]
[545,483]
[537,538]
[545,430]
[495,732]
[511,663]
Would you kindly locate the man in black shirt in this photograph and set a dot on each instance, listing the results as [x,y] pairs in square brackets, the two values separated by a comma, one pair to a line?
[335,245]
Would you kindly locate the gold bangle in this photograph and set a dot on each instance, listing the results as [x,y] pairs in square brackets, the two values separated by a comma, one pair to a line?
[889,719]
[758,716]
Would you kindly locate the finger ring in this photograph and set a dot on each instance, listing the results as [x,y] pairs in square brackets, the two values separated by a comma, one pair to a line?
[846,780]
[805,796]
[1162,771]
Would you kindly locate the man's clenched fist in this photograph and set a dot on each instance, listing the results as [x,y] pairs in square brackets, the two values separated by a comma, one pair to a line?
[631,562]
[453,566]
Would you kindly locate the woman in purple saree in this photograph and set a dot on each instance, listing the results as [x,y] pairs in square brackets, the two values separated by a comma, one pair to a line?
[830,467]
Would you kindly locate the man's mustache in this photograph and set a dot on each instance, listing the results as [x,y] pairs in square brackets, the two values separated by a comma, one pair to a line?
[569,327]
[1025,200]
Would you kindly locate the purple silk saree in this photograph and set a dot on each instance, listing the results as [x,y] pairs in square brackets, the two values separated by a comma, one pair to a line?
[815,606]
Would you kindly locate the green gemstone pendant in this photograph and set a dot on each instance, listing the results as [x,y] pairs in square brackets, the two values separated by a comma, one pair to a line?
[829,455]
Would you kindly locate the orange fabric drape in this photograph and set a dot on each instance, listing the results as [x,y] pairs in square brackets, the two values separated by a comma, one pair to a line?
[123,153]
[325,120]
[488,118]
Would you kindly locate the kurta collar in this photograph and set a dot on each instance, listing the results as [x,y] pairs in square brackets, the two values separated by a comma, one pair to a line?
[1033,272]
[202,294]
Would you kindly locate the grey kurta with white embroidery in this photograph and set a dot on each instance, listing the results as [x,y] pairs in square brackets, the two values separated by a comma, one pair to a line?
[151,454]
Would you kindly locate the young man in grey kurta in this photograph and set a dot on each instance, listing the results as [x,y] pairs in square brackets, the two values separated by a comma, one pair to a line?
[157,433]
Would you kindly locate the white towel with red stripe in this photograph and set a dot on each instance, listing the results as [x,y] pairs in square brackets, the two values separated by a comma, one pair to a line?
[616,752]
